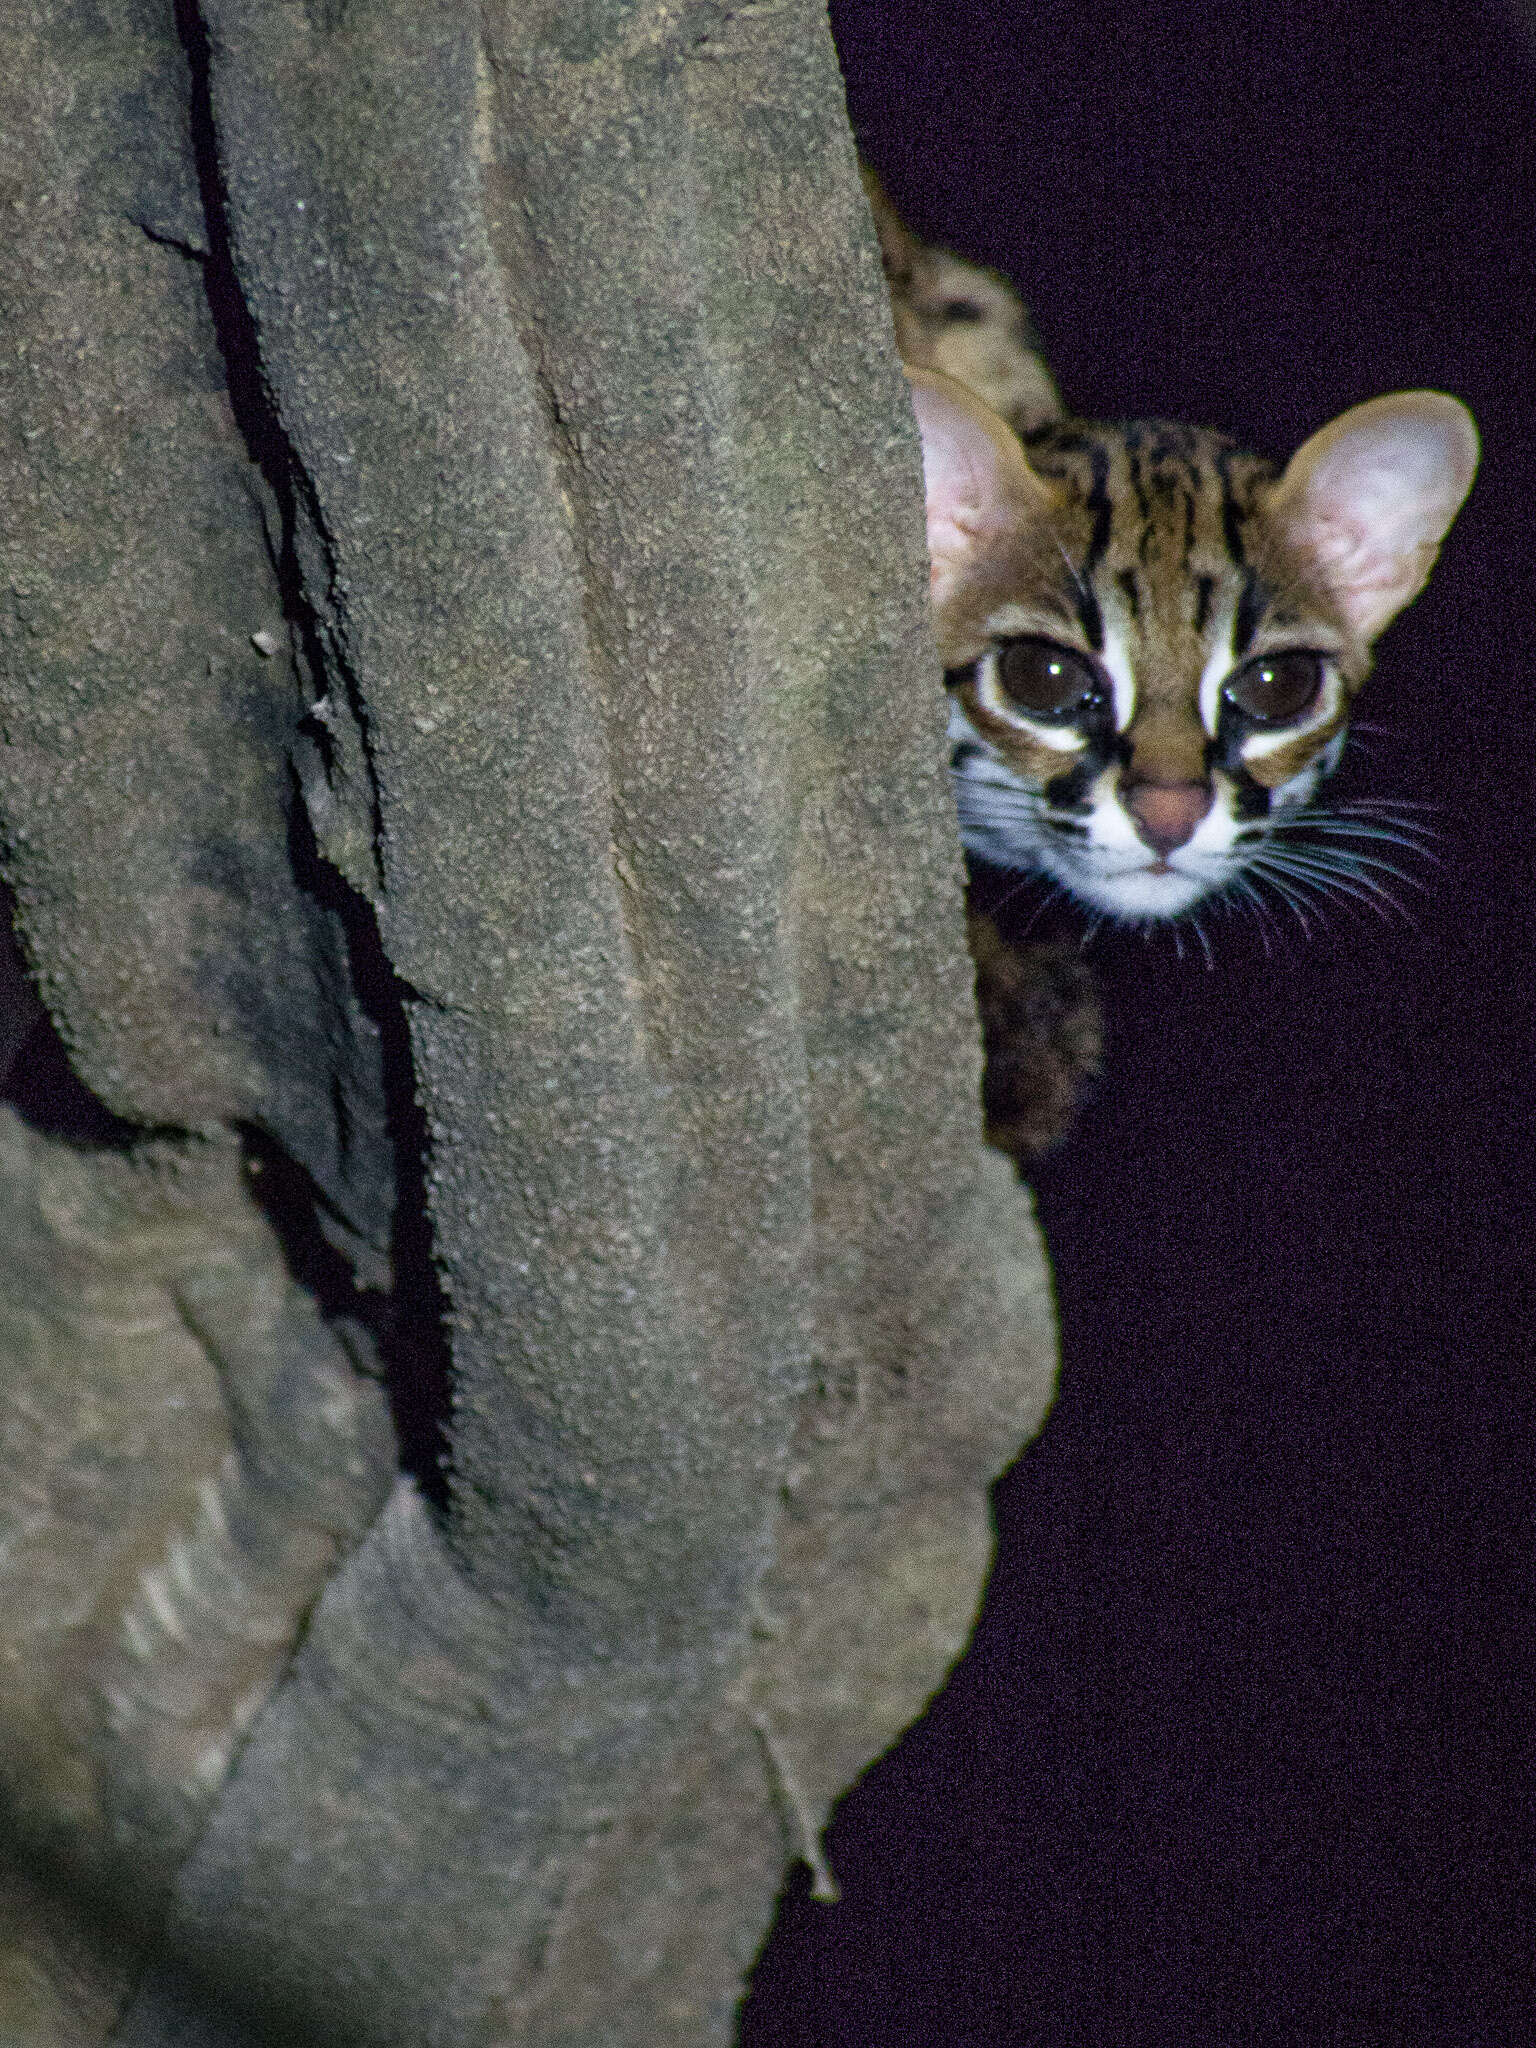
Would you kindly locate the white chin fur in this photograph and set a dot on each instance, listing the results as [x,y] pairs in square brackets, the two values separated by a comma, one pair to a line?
[1135,894]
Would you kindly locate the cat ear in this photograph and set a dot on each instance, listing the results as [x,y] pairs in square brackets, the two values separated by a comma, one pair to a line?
[980,490]
[1371,497]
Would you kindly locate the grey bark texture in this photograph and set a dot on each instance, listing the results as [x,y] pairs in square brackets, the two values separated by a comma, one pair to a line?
[470,760]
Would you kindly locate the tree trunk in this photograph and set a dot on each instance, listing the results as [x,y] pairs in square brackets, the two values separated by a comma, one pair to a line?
[471,784]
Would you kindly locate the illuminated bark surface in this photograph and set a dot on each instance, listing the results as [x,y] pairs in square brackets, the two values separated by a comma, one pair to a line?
[471,786]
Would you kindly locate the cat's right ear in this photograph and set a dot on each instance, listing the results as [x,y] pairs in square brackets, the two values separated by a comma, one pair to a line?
[979,488]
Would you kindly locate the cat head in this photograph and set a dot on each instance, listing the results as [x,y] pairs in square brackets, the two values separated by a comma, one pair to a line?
[1153,640]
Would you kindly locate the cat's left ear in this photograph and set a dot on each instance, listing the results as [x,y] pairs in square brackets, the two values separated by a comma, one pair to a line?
[1371,497]
[979,487]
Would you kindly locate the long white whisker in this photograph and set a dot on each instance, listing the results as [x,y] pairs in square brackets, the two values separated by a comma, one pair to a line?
[1362,889]
[1371,821]
[1367,821]
[1335,861]
[1029,878]
[1378,833]
[1053,889]
[1294,900]
[1243,889]
[1390,803]
[1401,832]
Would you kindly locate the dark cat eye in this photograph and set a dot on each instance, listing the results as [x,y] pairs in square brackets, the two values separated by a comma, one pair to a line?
[965,310]
[1276,687]
[1046,680]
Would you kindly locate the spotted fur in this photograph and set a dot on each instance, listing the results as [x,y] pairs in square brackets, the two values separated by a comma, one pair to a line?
[1206,620]
[962,320]
[1152,642]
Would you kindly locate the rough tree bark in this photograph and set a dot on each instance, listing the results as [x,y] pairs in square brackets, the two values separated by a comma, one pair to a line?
[470,782]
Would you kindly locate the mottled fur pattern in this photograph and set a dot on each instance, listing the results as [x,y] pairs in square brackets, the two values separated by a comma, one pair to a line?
[1041,1035]
[1152,642]
[963,321]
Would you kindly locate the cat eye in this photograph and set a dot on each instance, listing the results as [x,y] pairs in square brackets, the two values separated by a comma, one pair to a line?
[1046,680]
[965,310]
[1274,688]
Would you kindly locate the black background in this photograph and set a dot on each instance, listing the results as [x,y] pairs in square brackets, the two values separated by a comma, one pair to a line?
[1241,1752]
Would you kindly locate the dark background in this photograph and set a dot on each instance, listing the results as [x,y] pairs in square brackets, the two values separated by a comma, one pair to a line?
[1242,1750]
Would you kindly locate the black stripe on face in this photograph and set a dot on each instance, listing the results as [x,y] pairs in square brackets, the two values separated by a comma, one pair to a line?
[1231,511]
[1204,585]
[1132,432]
[1049,438]
[957,678]
[1127,581]
[1250,799]
[1103,511]
[1091,618]
[1073,790]
[1250,609]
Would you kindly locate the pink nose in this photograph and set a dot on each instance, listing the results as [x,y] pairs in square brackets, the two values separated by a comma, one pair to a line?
[1167,813]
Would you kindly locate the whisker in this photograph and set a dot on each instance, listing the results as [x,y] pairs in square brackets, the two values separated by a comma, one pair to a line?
[1084,593]
[990,800]
[1053,889]
[1243,894]
[1407,831]
[1030,878]
[1335,860]
[1390,803]
[1356,828]
[991,796]
[1362,813]
[1286,895]
[1301,860]
[1362,889]
[1380,817]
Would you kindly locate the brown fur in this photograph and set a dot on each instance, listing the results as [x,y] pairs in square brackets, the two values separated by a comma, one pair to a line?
[1041,1035]
[1042,1032]
[1162,563]
[993,353]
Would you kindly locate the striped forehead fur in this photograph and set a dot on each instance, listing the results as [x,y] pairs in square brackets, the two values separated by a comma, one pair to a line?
[1172,517]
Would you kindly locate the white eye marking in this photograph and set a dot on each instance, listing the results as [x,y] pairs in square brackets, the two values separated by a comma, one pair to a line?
[1217,668]
[1116,662]
[1011,619]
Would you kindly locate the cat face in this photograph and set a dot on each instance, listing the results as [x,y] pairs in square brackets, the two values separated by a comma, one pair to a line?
[1152,641]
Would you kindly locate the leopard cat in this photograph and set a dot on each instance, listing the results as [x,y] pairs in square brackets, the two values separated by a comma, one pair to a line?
[1152,643]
